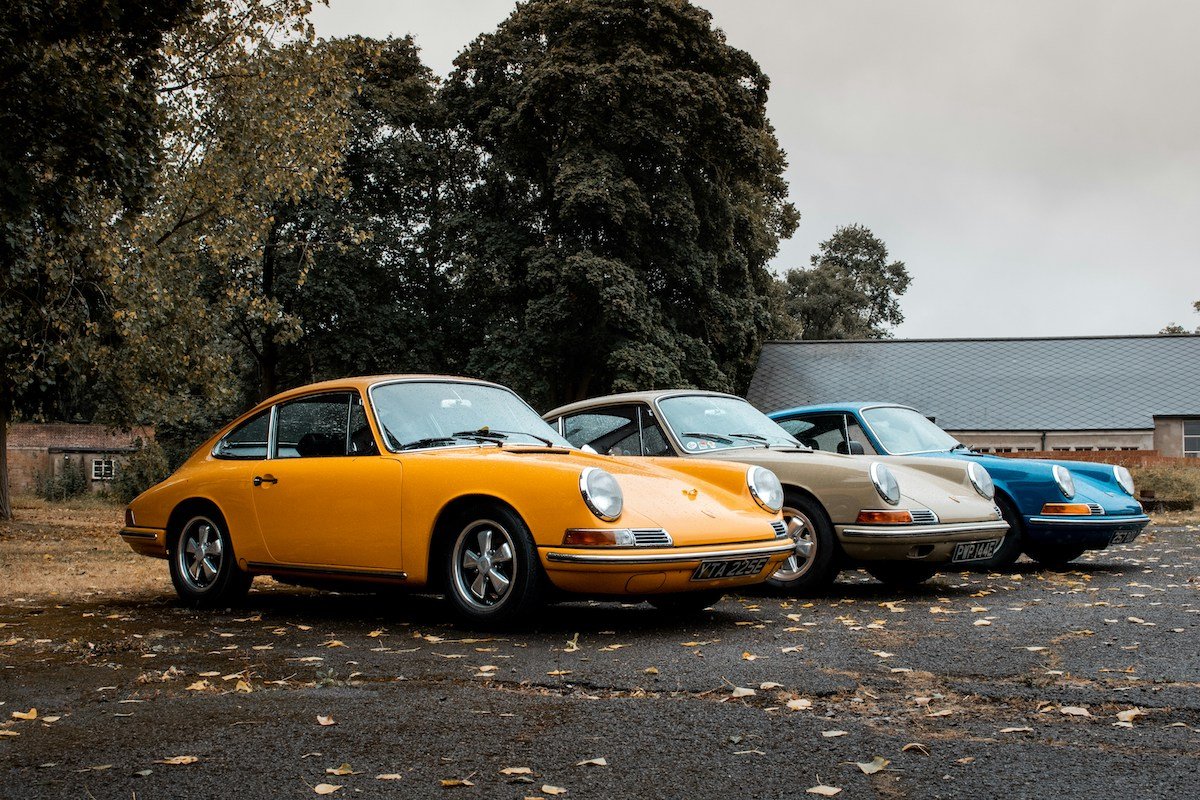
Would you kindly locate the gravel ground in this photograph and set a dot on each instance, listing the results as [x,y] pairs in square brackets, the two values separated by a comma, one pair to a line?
[1022,684]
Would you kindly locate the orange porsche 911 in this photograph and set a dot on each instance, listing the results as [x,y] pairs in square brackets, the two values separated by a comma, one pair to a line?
[450,485]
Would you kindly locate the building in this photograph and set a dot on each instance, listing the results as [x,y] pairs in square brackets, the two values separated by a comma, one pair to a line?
[40,450]
[1007,395]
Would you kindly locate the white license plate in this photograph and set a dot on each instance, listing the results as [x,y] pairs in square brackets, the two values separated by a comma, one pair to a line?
[1123,537]
[729,568]
[974,551]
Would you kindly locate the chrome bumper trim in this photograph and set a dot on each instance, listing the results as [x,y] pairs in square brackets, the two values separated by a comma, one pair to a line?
[893,531]
[1140,519]
[140,533]
[668,558]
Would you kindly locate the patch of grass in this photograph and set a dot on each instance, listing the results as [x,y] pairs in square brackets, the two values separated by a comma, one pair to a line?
[1169,482]
[84,502]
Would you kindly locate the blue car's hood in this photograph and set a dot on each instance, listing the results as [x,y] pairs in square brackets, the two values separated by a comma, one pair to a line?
[1030,482]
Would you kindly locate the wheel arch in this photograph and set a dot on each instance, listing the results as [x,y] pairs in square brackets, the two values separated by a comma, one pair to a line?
[794,489]
[185,510]
[444,526]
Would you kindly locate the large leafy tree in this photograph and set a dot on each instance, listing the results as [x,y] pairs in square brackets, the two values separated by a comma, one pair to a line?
[852,290]
[78,122]
[1175,329]
[629,199]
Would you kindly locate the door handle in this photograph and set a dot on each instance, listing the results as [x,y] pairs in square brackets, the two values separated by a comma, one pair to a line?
[259,480]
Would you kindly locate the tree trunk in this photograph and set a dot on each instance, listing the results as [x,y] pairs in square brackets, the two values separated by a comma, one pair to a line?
[5,503]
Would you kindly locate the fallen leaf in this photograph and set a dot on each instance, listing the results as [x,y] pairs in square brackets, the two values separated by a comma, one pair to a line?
[26,715]
[823,790]
[1075,711]
[874,765]
[178,760]
[344,769]
[325,721]
[325,788]
[770,685]
[916,747]
[799,704]
[199,686]
[796,648]
[389,776]
[834,734]
[572,644]
[748,656]
[882,653]
[333,643]
[945,712]
[449,782]
[375,634]
[1036,649]
[981,623]
[144,773]
[516,771]
[9,733]
[1017,730]
[741,691]
[557,672]
[244,687]
[651,670]
[548,789]
[1129,714]
[593,762]
[966,760]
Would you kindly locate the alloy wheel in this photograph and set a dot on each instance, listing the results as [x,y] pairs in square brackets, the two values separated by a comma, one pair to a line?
[200,554]
[483,564]
[800,528]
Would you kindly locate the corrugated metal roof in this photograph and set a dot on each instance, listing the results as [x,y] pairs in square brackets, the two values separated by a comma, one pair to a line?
[1091,383]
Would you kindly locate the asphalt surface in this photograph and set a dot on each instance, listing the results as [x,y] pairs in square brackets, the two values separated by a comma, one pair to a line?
[972,686]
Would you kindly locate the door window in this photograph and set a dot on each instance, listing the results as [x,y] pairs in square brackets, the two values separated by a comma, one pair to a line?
[613,431]
[314,427]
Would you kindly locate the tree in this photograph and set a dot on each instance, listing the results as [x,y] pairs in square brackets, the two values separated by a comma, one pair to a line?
[77,111]
[852,291]
[1175,330]
[630,196]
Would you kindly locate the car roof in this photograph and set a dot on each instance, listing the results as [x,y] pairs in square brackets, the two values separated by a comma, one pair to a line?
[633,397]
[835,407]
[364,382]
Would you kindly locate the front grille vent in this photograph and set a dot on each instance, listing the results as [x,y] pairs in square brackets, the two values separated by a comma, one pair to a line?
[780,528]
[1096,509]
[651,537]
[923,516]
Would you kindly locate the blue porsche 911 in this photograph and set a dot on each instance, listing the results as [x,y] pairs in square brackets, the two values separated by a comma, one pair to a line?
[1055,510]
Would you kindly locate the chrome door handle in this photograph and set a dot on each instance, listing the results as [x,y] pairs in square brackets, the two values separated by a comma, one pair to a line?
[259,480]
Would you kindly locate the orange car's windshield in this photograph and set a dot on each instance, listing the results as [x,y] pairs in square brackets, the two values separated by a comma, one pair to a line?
[427,414]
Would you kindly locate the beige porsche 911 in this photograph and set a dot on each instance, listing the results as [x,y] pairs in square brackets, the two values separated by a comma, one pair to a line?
[901,521]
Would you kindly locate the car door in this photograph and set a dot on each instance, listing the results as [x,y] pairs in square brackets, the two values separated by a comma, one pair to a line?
[325,497]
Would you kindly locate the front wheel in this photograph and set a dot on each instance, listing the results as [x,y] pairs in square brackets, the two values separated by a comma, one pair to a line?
[811,566]
[1054,556]
[203,568]
[901,575]
[493,575]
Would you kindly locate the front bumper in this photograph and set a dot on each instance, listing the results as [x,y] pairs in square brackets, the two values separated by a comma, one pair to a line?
[633,571]
[1093,532]
[932,544]
[146,541]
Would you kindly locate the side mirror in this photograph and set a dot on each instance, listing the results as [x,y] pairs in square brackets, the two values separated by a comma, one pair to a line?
[850,448]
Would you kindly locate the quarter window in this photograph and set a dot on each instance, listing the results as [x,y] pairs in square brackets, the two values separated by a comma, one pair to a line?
[248,440]
[1191,438]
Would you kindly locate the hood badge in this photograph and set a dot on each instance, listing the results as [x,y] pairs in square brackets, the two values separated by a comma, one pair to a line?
[691,494]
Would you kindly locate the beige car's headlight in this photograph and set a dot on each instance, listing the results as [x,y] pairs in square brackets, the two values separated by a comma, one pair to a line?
[981,480]
[885,483]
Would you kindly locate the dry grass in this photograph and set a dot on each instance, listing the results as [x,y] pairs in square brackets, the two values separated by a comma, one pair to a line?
[71,550]
[1169,481]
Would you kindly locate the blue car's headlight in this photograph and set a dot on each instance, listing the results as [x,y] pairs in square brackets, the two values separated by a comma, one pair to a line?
[1124,479]
[885,483]
[981,480]
[1066,484]
[602,493]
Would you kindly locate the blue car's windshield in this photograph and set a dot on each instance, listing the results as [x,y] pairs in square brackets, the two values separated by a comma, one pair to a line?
[903,431]
[707,422]
[422,414]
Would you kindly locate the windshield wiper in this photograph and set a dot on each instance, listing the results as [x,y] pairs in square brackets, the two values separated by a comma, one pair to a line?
[429,442]
[489,434]
[712,437]
[754,437]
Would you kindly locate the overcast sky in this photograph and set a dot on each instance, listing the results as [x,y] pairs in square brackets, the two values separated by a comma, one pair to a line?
[1036,163]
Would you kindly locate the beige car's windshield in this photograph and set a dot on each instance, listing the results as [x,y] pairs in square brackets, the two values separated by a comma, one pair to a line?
[705,423]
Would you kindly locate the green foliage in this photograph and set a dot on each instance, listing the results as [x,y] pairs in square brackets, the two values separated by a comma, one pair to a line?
[630,195]
[141,470]
[72,481]
[852,291]
[1175,329]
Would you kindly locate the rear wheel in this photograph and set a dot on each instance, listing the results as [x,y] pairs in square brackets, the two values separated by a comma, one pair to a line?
[492,574]
[811,566]
[900,574]
[204,569]
[1054,556]
[686,603]
[1014,540]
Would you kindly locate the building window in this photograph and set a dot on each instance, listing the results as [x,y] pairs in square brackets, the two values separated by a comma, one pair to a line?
[1191,438]
[102,469]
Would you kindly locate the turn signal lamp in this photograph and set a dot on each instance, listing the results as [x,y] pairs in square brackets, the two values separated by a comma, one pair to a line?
[598,537]
[899,517]
[1067,509]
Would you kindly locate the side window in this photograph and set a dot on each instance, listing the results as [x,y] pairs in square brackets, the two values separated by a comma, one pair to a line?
[823,432]
[613,431]
[855,432]
[654,441]
[248,440]
[314,426]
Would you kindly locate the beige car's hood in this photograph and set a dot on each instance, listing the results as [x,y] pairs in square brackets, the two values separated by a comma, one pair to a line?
[843,483]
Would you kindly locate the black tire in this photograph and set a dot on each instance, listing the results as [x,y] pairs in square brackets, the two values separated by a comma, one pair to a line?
[1054,556]
[901,574]
[203,566]
[686,604]
[1014,540]
[808,524]
[493,575]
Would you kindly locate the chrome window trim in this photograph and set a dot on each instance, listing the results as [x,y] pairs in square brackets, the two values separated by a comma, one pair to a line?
[273,438]
[862,417]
